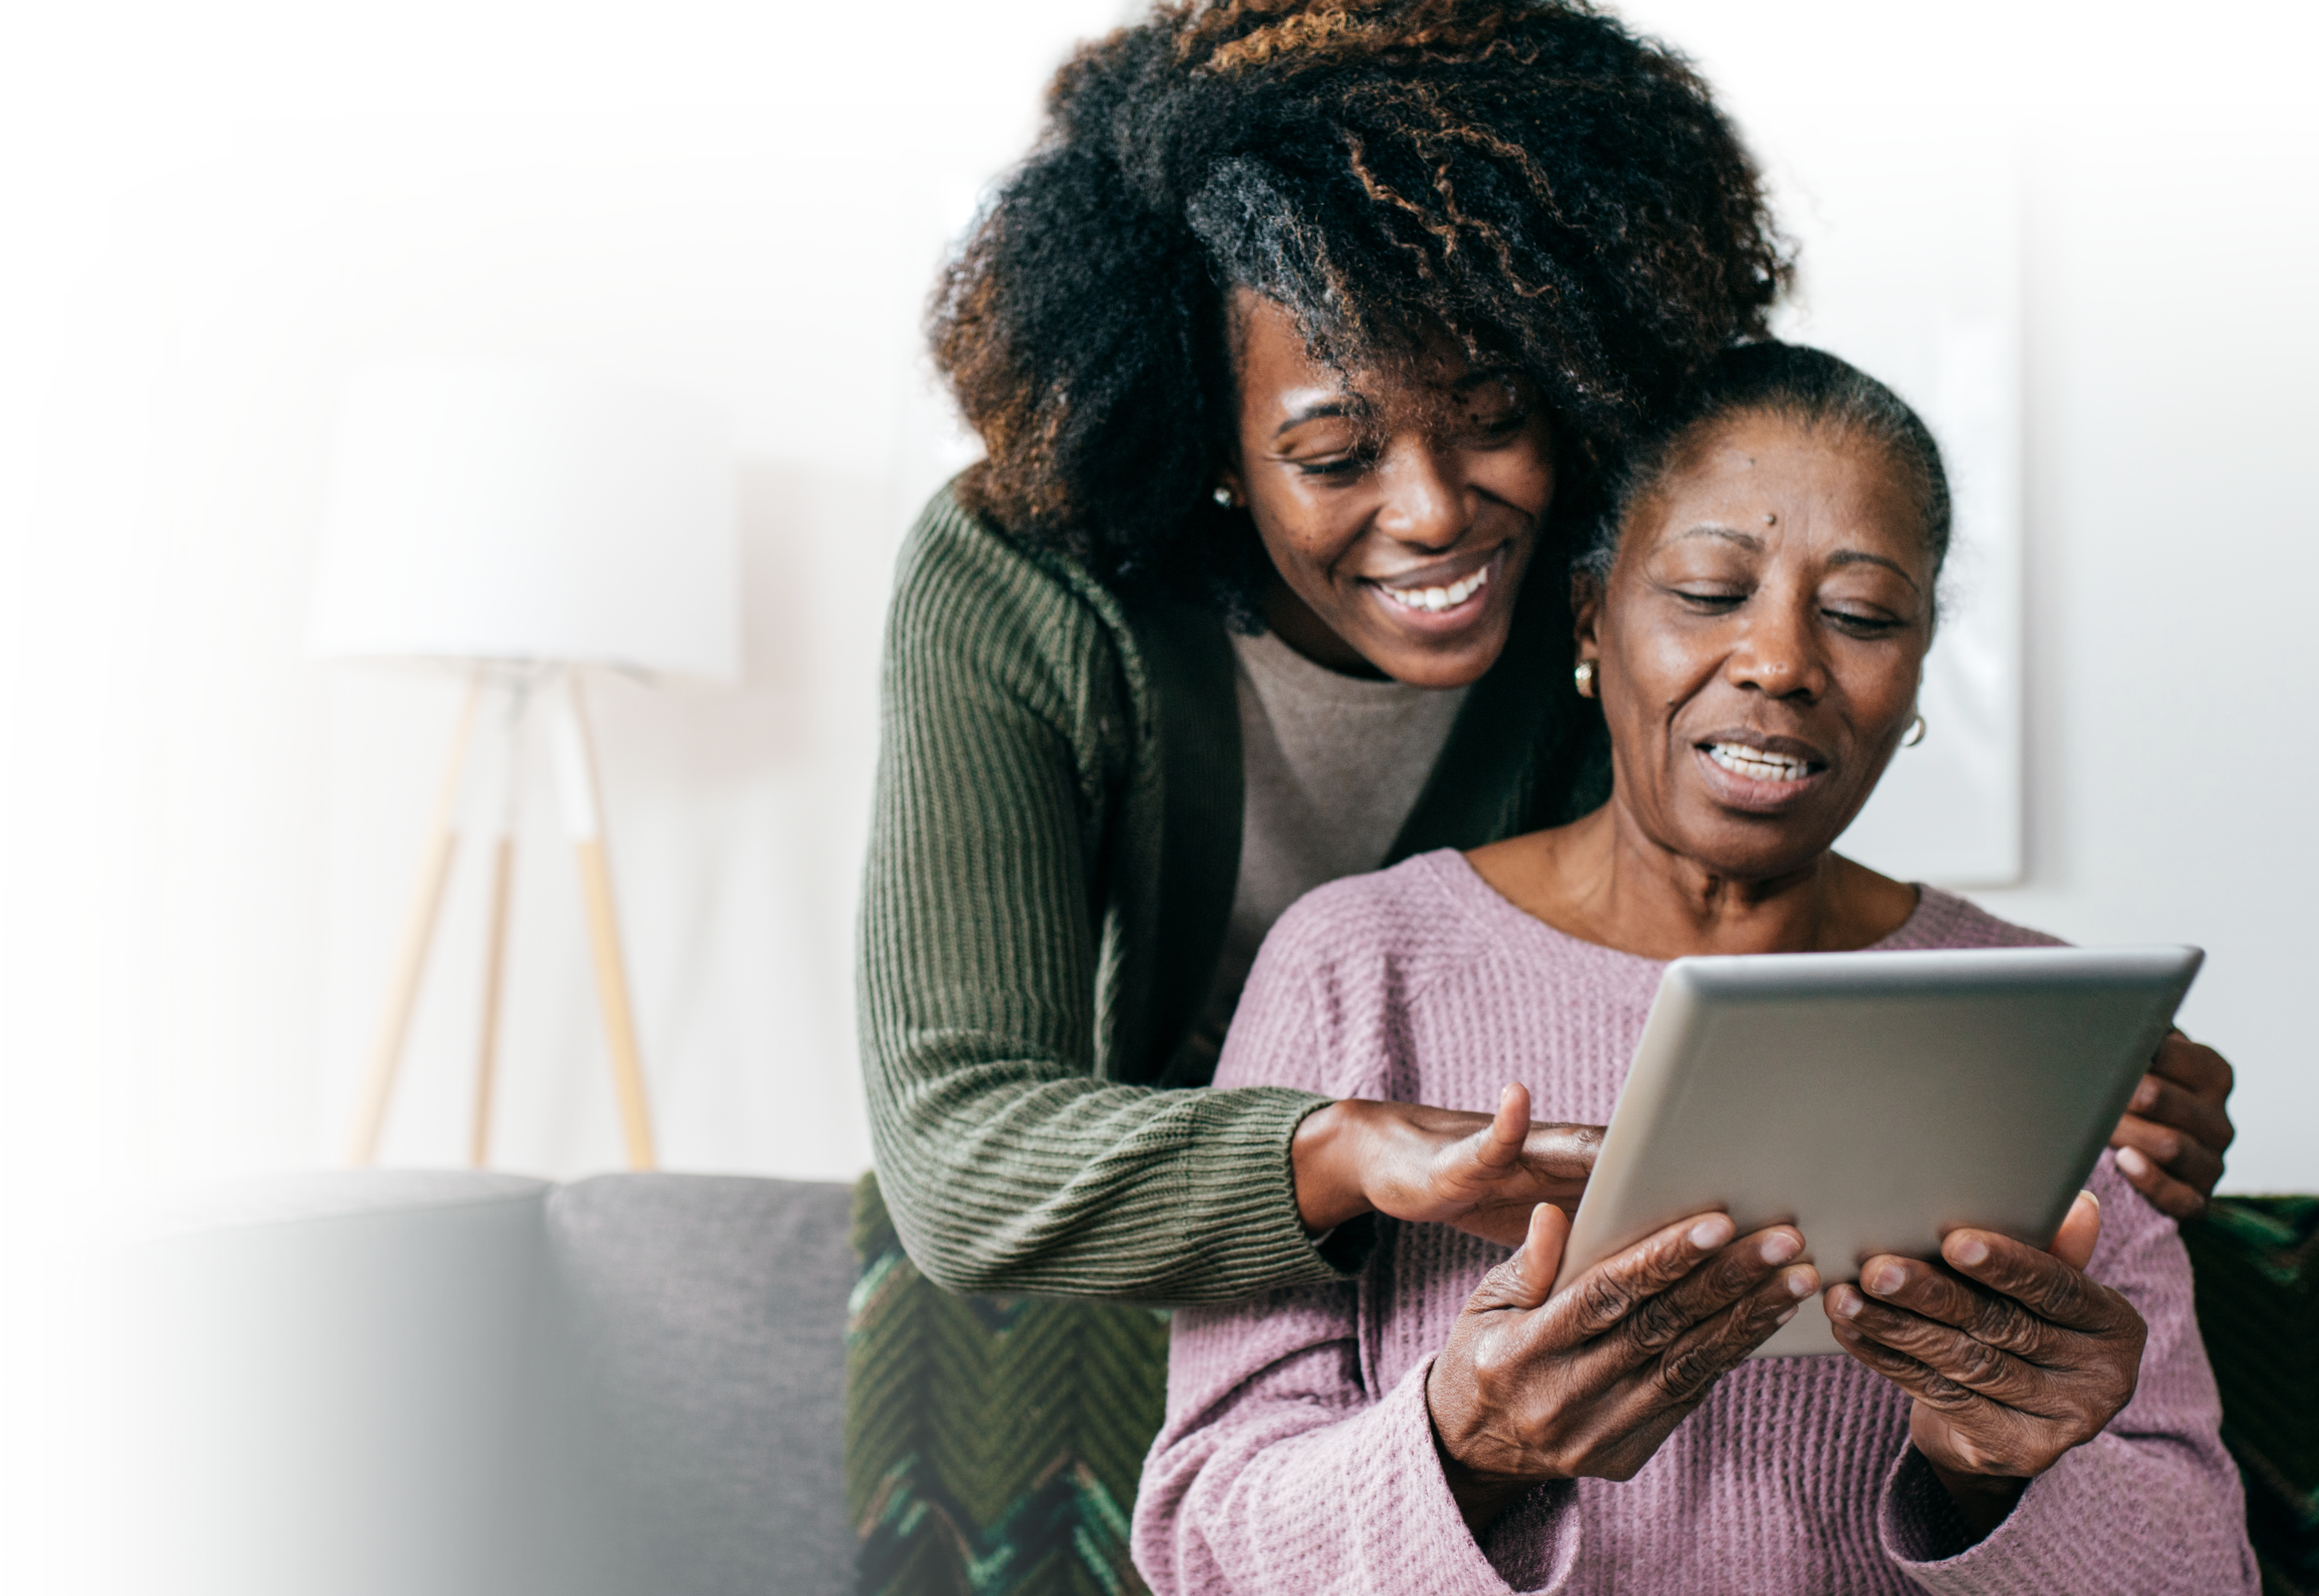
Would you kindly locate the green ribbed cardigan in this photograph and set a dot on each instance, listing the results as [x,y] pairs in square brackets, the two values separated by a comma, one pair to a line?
[1052,858]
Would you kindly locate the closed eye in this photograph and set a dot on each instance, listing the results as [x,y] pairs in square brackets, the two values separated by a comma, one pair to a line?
[1711,600]
[1863,625]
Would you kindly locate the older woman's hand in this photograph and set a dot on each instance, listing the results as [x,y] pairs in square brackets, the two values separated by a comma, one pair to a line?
[2013,1355]
[1478,1173]
[2171,1141]
[1588,1382]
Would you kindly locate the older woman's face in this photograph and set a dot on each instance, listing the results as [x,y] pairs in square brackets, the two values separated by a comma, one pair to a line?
[1401,523]
[1760,643]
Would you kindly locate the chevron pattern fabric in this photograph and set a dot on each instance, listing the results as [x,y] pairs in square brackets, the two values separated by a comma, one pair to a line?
[2256,1262]
[992,1444]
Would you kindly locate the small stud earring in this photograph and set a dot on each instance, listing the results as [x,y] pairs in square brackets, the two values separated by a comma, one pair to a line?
[1916,732]
[1224,496]
[1584,676]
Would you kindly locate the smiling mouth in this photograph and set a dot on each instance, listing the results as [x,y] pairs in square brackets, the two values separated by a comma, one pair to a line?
[1435,600]
[1760,764]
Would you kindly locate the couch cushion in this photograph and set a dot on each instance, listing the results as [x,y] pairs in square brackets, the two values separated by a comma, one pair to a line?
[286,1384]
[707,1317]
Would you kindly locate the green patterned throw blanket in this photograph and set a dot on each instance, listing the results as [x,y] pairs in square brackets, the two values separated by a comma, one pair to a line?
[2256,1263]
[992,1444]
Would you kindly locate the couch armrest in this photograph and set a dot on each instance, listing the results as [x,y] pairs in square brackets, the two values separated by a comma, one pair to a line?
[286,1384]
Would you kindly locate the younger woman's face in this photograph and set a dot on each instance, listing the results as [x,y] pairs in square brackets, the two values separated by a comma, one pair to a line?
[1401,523]
[1760,641]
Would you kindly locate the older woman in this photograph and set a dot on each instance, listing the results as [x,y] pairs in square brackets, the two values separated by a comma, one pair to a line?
[1755,625]
[1285,345]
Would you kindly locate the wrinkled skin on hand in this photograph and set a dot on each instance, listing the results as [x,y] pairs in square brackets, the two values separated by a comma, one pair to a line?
[2013,1356]
[1587,1382]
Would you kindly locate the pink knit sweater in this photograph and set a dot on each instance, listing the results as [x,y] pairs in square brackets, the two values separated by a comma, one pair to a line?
[1298,1456]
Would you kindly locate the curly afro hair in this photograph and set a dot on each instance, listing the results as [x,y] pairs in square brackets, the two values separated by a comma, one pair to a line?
[1524,176]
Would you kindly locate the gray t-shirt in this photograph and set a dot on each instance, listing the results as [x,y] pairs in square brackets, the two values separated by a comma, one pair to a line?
[1332,765]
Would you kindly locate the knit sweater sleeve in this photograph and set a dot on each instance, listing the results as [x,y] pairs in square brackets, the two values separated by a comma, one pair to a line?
[1008,1164]
[1279,1468]
[2151,1505]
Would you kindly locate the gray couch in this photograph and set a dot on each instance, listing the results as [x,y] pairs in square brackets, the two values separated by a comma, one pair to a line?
[451,1382]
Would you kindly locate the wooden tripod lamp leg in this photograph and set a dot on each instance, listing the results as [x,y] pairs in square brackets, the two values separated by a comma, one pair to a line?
[418,931]
[583,808]
[487,1048]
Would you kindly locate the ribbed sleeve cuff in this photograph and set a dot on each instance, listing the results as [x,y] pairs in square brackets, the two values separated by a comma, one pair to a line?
[1241,1197]
[2053,1540]
[1530,1551]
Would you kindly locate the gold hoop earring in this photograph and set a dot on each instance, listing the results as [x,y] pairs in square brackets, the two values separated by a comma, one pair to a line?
[1583,677]
[1916,732]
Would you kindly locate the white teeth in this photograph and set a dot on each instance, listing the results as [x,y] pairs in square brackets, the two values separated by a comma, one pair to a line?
[1439,598]
[1757,764]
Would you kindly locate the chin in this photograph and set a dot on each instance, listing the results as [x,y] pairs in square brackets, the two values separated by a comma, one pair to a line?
[1460,663]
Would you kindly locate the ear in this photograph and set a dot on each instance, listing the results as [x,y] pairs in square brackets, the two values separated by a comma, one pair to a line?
[1586,613]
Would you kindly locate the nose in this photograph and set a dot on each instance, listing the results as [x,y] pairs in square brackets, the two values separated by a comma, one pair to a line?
[1425,503]
[1778,652]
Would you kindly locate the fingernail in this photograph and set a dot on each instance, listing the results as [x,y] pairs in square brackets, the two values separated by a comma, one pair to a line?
[2130,1160]
[1711,1232]
[1846,1303]
[2091,1197]
[2144,1095]
[1789,1314]
[1971,1252]
[1780,1246]
[1803,1283]
[1884,1280]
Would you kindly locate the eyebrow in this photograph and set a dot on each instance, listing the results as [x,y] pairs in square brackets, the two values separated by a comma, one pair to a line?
[1315,412]
[1849,556]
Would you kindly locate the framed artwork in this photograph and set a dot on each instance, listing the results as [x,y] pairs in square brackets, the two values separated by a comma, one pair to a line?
[1916,279]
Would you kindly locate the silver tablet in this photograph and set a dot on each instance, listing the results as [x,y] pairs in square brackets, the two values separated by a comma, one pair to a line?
[1877,1101]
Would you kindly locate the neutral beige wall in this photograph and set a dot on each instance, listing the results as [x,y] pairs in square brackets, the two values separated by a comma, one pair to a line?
[238,727]
[216,211]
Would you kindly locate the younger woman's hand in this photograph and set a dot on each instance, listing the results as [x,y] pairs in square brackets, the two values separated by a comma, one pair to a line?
[2014,1355]
[1588,1382]
[2171,1141]
[1479,1173]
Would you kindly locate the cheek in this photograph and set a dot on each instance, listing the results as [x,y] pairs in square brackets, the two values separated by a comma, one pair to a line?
[1663,666]
[1523,478]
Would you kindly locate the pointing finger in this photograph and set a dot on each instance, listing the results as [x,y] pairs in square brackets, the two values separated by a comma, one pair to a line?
[1502,1145]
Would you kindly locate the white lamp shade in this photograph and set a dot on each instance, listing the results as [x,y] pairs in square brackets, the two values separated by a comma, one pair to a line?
[493,512]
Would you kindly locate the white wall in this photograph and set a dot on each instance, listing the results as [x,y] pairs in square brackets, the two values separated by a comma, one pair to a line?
[704,193]
[258,335]
[214,211]
[2174,537]
[221,356]
[82,126]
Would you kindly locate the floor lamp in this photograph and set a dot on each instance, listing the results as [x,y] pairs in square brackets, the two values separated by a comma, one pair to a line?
[523,524]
